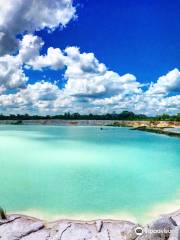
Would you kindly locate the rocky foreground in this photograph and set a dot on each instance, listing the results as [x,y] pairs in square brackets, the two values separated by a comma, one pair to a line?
[16,227]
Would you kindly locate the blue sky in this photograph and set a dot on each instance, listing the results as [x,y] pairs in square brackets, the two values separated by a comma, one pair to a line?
[140,37]
[90,56]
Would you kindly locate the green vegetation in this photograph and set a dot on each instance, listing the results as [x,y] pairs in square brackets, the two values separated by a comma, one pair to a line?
[2,214]
[125,115]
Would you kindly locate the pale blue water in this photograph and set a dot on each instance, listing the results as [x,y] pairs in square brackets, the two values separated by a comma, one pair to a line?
[177,130]
[83,170]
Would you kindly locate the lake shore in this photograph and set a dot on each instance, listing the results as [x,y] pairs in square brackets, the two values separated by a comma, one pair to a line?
[122,123]
[159,127]
[158,131]
[15,226]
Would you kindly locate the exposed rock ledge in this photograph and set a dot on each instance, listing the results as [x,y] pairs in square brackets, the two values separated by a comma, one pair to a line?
[17,227]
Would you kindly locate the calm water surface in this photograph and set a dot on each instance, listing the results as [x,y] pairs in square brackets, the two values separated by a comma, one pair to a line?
[83,170]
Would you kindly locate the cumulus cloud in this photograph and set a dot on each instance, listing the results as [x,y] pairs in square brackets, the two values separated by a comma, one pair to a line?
[166,84]
[47,98]
[54,59]
[29,48]
[18,16]
[157,105]
[82,64]
[86,76]
[38,97]
[90,85]
[11,73]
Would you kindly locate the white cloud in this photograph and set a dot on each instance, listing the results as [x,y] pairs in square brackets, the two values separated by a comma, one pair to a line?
[47,98]
[87,77]
[90,85]
[140,103]
[166,84]
[54,60]
[82,64]
[11,73]
[29,48]
[157,105]
[18,16]
[41,91]
[38,97]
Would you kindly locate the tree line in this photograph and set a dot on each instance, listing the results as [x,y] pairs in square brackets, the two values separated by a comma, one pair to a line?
[125,115]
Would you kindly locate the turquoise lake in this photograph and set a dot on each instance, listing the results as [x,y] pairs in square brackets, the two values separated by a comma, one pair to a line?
[85,171]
